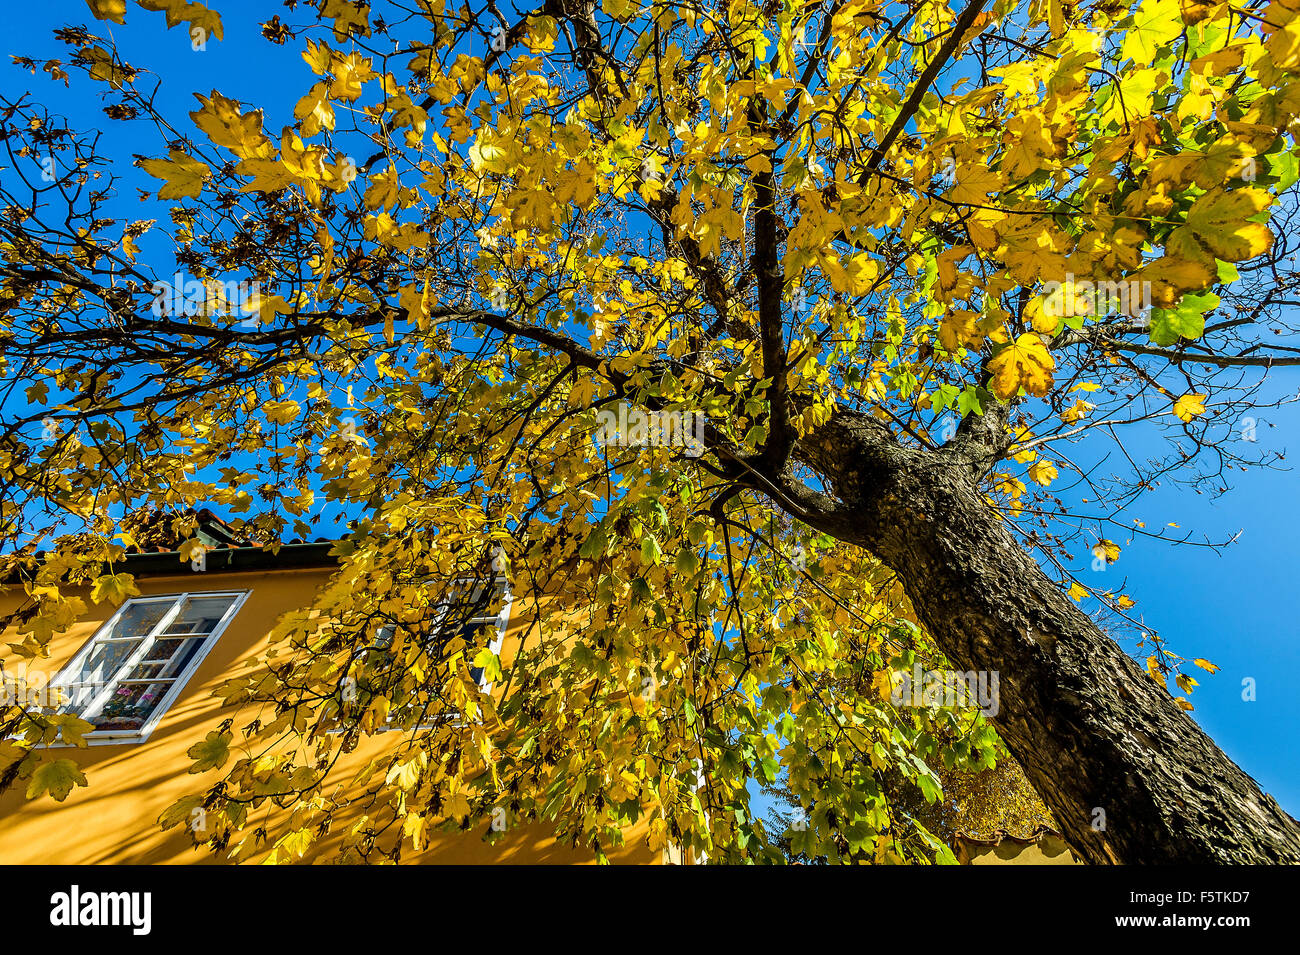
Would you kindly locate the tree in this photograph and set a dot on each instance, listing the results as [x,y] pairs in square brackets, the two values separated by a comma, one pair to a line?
[839,289]
[989,803]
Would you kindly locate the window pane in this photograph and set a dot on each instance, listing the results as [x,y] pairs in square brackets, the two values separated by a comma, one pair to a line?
[200,615]
[129,706]
[167,657]
[135,691]
[111,650]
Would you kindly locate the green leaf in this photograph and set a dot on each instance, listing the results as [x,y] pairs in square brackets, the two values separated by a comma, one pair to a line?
[212,753]
[929,788]
[944,396]
[594,545]
[72,728]
[969,401]
[1186,320]
[57,778]
[181,811]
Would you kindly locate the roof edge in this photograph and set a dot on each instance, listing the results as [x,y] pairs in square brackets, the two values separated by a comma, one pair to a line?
[234,559]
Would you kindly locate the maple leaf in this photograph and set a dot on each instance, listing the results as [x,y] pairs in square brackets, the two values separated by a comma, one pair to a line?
[114,10]
[1077,411]
[1043,472]
[314,110]
[349,16]
[960,328]
[186,11]
[72,728]
[1106,550]
[211,753]
[184,175]
[350,72]
[1154,25]
[1025,363]
[1189,406]
[57,778]
[113,588]
[974,183]
[1217,226]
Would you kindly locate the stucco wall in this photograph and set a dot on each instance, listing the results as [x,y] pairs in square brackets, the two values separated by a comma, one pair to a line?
[114,819]
[1046,849]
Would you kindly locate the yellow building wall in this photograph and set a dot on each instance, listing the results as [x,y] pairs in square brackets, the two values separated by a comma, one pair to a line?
[114,819]
[1046,849]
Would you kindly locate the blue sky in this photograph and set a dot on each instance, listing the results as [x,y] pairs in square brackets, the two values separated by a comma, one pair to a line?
[1233,608]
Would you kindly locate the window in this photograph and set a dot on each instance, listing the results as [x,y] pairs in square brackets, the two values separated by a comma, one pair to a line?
[476,611]
[124,679]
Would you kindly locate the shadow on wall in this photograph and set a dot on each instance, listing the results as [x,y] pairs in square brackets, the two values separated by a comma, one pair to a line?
[1045,847]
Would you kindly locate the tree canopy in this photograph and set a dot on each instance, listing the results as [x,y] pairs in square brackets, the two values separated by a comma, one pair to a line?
[760,336]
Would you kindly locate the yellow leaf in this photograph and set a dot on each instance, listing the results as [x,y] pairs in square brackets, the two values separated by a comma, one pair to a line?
[1284,45]
[281,412]
[114,10]
[1025,364]
[1155,24]
[1042,318]
[960,328]
[1217,225]
[973,182]
[350,73]
[1206,665]
[73,728]
[226,126]
[315,110]
[1189,406]
[1043,472]
[57,778]
[1077,411]
[1107,550]
[184,175]
[114,588]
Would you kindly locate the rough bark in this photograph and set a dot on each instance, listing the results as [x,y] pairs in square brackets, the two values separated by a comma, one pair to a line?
[1091,729]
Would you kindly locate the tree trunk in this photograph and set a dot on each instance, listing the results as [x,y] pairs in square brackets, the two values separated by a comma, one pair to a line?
[1129,776]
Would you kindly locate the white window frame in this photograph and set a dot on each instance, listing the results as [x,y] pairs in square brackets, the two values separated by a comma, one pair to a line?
[66,676]
[500,621]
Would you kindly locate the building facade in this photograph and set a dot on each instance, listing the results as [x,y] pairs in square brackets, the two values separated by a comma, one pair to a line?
[144,673]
